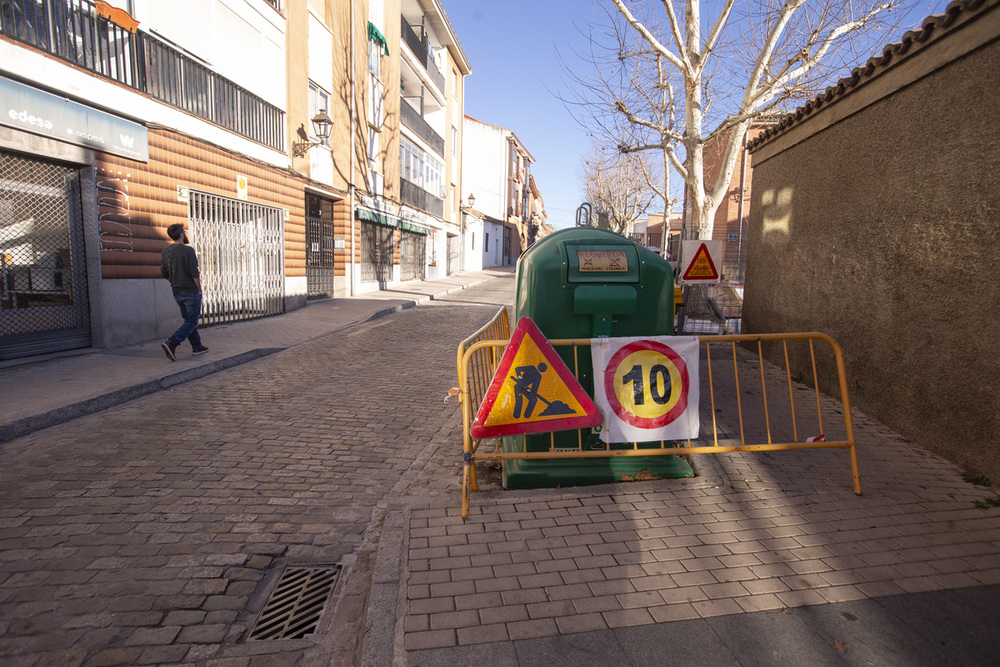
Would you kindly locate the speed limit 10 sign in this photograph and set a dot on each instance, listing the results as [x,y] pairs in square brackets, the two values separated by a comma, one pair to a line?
[649,387]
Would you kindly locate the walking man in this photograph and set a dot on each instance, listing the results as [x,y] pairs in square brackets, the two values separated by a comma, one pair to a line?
[179,265]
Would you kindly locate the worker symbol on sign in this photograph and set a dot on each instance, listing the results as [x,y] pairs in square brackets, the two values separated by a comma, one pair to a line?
[527,379]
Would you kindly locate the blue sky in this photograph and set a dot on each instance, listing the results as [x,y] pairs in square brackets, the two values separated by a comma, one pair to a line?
[512,47]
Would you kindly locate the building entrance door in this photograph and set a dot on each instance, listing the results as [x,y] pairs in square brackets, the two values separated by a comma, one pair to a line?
[412,251]
[44,304]
[319,247]
[376,253]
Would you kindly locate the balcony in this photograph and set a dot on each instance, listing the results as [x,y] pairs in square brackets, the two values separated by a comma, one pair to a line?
[417,197]
[413,120]
[72,31]
[421,49]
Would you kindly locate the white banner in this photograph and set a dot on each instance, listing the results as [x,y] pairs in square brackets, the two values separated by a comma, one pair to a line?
[646,388]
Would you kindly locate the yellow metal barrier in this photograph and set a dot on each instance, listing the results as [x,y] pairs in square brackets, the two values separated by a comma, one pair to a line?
[475,372]
[479,355]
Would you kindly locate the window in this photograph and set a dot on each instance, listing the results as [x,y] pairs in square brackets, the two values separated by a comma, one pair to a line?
[374,147]
[376,100]
[375,51]
[319,100]
[377,92]
[454,140]
[419,168]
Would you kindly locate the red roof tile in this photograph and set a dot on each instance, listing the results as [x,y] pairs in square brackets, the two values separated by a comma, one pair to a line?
[933,26]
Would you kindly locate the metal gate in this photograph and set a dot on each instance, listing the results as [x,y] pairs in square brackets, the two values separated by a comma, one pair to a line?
[412,255]
[43,278]
[454,254]
[376,253]
[241,257]
[319,247]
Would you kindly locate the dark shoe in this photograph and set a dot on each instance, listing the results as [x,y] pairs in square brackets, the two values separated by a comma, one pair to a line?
[168,349]
[199,350]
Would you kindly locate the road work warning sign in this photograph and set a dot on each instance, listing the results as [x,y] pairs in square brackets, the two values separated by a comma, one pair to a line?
[700,266]
[533,391]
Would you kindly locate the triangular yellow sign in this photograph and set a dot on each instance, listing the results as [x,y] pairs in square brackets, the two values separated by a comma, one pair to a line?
[702,267]
[533,391]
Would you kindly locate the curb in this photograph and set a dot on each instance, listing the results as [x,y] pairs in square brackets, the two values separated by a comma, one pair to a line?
[27,425]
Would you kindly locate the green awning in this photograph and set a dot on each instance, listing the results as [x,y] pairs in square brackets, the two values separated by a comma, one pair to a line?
[368,215]
[378,37]
[413,227]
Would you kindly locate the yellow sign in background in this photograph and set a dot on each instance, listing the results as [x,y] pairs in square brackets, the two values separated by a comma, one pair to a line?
[700,262]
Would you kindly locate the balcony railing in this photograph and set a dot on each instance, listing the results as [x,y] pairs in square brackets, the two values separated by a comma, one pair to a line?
[413,120]
[72,31]
[421,49]
[416,196]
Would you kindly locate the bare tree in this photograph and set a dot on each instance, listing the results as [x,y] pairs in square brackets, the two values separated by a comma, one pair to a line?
[625,100]
[616,184]
[755,58]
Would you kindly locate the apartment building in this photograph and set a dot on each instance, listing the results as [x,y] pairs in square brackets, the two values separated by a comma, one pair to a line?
[384,187]
[271,128]
[538,225]
[497,173]
[433,68]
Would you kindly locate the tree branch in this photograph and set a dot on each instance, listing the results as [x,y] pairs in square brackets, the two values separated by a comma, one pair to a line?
[682,65]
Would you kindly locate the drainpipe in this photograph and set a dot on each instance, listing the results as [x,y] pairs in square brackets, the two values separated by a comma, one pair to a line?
[743,179]
[350,263]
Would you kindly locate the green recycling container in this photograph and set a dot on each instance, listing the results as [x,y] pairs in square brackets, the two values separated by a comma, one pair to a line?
[585,282]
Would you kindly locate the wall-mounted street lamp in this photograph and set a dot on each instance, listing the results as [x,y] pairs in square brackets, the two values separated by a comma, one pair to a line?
[321,129]
[471,200]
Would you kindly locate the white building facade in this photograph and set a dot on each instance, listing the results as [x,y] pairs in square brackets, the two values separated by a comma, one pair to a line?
[496,172]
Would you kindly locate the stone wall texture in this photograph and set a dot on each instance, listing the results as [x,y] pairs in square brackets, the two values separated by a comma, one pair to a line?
[877,224]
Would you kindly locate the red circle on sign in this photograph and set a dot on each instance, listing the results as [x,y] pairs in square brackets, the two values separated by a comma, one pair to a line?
[612,395]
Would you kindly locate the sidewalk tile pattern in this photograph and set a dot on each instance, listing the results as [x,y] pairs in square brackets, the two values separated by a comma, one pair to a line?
[762,531]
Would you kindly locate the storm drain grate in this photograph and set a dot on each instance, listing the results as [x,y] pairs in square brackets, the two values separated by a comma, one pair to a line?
[293,611]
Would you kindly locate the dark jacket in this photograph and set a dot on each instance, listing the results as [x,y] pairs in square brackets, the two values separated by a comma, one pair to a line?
[179,265]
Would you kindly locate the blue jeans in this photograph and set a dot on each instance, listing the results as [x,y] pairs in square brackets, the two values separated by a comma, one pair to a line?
[190,305]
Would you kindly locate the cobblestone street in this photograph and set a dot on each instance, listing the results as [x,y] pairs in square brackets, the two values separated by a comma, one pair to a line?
[152,532]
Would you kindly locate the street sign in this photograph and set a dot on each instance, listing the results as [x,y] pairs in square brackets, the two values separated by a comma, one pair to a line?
[533,391]
[699,263]
[647,388]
